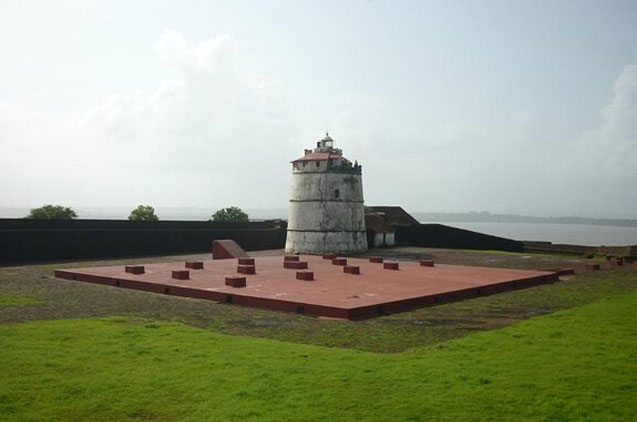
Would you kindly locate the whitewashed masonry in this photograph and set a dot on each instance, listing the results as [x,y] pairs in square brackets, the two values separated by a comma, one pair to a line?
[326,211]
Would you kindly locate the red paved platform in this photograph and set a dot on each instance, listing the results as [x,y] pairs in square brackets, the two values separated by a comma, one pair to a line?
[332,292]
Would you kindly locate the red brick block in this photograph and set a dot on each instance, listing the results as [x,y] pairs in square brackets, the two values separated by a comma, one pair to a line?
[329,256]
[291,258]
[426,262]
[181,274]
[194,265]
[352,269]
[390,265]
[226,249]
[246,261]
[295,265]
[305,275]
[134,269]
[339,261]
[618,262]
[246,269]
[592,266]
[376,259]
[236,281]
[566,271]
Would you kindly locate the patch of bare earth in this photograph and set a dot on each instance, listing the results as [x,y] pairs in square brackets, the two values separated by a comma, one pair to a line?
[58,299]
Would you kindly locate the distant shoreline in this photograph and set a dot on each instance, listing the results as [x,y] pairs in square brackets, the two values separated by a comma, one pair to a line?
[202,214]
[485,217]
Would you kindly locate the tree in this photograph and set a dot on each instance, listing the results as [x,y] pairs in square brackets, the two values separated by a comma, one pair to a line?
[230,214]
[143,213]
[52,212]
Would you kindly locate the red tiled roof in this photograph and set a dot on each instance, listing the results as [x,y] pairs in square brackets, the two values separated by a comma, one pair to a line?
[317,156]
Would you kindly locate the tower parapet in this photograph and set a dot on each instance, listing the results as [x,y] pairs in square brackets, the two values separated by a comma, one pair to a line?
[326,211]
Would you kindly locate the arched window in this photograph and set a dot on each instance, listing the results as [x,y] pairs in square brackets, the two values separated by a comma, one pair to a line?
[337,194]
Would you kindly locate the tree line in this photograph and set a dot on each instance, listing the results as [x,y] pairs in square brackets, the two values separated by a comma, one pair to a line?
[141,213]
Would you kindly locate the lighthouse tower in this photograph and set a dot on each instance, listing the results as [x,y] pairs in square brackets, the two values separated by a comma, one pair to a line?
[326,213]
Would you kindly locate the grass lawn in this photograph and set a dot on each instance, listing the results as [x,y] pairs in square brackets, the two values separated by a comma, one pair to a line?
[64,299]
[12,300]
[170,358]
[578,364]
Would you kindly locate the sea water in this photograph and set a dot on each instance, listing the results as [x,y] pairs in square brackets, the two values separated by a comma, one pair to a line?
[574,234]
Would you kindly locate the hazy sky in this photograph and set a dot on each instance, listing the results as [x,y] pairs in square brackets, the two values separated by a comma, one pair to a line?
[506,106]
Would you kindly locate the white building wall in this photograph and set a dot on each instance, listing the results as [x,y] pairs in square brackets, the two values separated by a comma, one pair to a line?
[390,239]
[326,216]
[383,239]
[379,239]
[325,242]
[321,185]
[320,220]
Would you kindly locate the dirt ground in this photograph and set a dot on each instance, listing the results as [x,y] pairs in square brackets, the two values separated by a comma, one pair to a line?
[31,292]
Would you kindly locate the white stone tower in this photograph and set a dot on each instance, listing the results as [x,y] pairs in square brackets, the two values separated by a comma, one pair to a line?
[327,213]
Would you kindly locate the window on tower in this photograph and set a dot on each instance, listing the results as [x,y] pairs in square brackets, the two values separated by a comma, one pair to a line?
[337,194]
[318,164]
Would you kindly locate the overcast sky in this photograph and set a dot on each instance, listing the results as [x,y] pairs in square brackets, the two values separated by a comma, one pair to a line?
[505,106]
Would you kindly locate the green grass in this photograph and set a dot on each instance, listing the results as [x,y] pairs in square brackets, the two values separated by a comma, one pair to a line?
[63,299]
[12,300]
[579,364]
